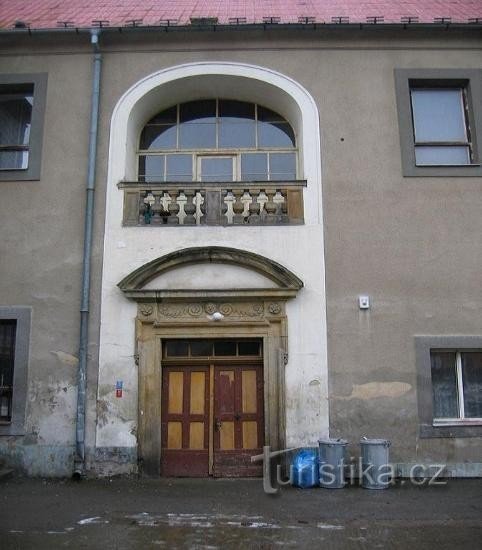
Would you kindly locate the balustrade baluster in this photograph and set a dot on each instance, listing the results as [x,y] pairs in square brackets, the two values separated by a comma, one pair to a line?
[189,208]
[254,207]
[270,208]
[227,209]
[181,201]
[238,208]
[173,207]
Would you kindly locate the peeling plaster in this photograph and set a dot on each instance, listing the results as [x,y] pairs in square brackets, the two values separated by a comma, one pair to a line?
[373,390]
[66,358]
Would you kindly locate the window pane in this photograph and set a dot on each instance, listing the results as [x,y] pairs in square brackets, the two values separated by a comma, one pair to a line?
[267,115]
[15,116]
[282,166]
[198,111]
[279,134]
[151,168]
[237,134]
[13,160]
[438,115]
[159,137]
[472,382]
[224,348]
[177,349]
[236,111]
[444,385]
[201,348]
[248,348]
[216,169]
[165,117]
[179,168]
[254,167]
[441,155]
[196,135]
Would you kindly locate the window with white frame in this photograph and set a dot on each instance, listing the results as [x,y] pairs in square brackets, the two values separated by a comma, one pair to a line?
[217,140]
[441,126]
[456,385]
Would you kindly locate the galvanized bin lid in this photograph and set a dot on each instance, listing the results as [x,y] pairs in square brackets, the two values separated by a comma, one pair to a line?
[366,441]
[329,441]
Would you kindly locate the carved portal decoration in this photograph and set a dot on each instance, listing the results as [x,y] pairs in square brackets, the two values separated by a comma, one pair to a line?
[189,313]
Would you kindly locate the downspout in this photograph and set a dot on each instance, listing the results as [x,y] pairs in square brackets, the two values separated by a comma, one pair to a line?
[79,461]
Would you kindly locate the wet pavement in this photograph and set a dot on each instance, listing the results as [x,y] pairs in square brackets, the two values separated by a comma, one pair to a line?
[136,513]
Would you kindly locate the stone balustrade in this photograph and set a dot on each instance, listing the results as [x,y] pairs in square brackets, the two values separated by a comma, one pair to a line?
[209,203]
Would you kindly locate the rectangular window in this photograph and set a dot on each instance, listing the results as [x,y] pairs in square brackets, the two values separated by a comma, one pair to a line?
[449,385]
[7,363]
[440,121]
[15,122]
[456,385]
[22,107]
[440,126]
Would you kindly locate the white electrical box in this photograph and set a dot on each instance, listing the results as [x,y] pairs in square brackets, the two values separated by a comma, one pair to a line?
[364,302]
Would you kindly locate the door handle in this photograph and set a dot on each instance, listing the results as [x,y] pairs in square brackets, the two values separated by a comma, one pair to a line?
[217,424]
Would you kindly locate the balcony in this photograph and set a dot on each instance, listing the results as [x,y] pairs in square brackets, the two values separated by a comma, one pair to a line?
[213,203]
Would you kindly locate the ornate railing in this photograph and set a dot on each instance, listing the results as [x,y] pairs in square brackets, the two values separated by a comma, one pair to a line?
[240,203]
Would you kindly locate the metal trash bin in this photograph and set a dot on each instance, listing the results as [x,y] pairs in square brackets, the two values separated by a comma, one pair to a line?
[376,470]
[332,463]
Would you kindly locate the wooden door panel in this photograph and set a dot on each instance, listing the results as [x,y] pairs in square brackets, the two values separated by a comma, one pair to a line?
[185,421]
[239,425]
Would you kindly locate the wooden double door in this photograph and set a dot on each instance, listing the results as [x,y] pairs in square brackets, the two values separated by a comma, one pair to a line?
[212,418]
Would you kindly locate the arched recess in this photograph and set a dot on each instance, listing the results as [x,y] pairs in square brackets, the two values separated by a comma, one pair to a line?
[181,313]
[213,79]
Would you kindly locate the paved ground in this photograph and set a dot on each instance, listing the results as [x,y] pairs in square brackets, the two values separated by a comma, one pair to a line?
[210,514]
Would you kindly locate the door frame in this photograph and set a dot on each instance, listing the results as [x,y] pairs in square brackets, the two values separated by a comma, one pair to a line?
[156,322]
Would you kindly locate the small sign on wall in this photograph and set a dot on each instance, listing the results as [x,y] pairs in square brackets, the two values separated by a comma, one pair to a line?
[118,388]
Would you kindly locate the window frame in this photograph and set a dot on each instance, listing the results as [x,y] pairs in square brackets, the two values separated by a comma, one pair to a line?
[13,84]
[430,426]
[22,315]
[217,150]
[470,80]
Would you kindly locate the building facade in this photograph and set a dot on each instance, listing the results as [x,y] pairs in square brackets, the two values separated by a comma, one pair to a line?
[284,241]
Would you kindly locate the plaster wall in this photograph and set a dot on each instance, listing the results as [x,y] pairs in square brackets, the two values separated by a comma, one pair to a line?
[410,243]
[40,265]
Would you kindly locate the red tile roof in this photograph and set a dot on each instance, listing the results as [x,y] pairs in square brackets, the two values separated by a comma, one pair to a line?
[81,13]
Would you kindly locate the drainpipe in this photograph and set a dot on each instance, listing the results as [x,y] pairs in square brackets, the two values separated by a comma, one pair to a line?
[79,461]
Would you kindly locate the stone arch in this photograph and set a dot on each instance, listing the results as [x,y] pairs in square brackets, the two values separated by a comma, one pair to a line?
[199,80]
[284,278]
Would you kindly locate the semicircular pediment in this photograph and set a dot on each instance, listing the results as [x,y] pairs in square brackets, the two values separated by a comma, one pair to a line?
[279,279]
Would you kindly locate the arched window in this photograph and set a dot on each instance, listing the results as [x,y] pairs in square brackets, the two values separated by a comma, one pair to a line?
[217,140]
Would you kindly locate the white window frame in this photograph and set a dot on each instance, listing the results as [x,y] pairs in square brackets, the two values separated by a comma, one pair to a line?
[461,418]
